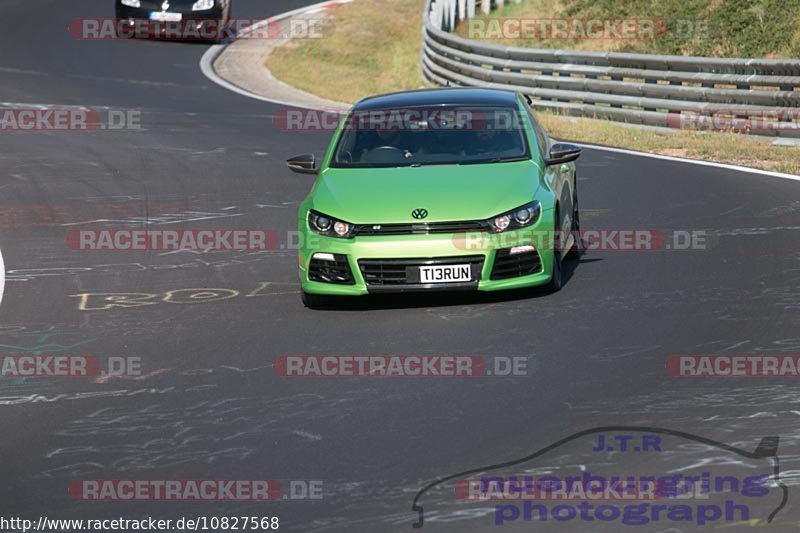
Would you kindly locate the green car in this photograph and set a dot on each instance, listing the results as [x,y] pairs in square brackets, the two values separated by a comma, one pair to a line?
[437,189]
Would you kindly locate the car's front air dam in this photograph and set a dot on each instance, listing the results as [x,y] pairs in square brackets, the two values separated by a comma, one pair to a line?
[428,247]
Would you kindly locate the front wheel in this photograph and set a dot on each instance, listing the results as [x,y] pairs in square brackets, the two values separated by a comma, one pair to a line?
[575,250]
[557,279]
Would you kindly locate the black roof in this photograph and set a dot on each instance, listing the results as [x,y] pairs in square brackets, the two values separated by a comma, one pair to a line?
[434,97]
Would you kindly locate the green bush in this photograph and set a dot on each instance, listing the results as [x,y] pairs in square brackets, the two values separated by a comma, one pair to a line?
[723,28]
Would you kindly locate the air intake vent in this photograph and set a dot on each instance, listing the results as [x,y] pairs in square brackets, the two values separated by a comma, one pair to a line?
[508,265]
[330,268]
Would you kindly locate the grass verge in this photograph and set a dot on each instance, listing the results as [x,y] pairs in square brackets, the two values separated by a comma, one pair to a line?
[371,47]
[374,48]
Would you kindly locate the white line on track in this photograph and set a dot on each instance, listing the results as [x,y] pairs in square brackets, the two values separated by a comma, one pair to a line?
[207,67]
[2,276]
[207,61]
[45,107]
[695,162]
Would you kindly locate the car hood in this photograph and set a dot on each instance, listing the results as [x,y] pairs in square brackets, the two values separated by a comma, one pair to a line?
[447,192]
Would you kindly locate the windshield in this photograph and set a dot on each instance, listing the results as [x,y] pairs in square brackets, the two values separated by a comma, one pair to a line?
[430,136]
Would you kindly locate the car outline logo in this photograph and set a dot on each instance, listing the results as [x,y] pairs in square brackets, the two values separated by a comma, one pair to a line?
[419,213]
[767,448]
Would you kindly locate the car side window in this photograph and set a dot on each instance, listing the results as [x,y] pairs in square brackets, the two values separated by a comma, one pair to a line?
[541,136]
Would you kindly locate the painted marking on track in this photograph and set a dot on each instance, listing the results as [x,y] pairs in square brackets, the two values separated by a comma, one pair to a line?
[213,52]
[2,276]
[101,301]
[726,166]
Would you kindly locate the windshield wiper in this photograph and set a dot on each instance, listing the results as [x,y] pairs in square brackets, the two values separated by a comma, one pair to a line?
[432,163]
[494,160]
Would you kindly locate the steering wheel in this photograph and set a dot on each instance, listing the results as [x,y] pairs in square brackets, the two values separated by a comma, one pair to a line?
[387,149]
[384,154]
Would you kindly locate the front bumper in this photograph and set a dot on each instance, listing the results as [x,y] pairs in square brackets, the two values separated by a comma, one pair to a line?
[480,250]
[210,24]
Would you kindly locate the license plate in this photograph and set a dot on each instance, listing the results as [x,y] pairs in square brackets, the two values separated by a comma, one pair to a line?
[444,273]
[162,16]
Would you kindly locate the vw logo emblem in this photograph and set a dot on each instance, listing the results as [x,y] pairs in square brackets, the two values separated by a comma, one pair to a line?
[165,5]
[419,213]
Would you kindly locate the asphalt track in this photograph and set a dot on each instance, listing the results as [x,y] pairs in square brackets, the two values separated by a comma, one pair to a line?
[209,404]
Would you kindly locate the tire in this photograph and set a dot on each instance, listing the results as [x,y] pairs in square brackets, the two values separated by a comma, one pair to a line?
[315,301]
[221,38]
[557,280]
[577,246]
[227,17]
[218,39]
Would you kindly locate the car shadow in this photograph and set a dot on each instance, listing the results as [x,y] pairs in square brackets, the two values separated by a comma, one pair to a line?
[412,300]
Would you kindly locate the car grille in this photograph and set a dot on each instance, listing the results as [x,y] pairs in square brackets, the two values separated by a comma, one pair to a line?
[394,273]
[508,265]
[336,271]
[424,228]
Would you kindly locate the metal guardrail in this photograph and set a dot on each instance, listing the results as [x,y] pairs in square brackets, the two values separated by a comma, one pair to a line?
[760,95]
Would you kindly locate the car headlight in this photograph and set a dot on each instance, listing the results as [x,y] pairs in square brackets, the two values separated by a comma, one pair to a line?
[131,3]
[520,217]
[202,5]
[329,226]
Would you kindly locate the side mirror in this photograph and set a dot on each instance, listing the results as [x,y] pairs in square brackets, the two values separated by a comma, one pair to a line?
[563,153]
[303,164]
